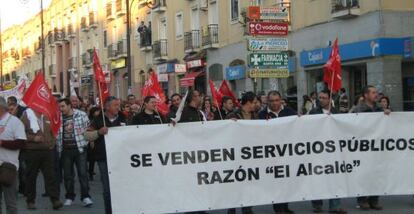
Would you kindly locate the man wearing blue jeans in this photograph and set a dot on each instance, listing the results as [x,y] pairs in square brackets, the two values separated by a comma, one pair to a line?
[72,148]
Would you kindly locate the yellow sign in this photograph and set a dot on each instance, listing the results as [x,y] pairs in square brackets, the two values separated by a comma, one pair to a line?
[118,63]
[269,73]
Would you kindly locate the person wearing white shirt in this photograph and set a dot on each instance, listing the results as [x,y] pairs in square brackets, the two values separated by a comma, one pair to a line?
[12,139]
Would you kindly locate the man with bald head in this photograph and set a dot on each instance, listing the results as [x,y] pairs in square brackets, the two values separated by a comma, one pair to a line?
[74,101]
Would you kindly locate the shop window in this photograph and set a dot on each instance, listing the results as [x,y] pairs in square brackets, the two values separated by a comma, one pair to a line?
[216,72]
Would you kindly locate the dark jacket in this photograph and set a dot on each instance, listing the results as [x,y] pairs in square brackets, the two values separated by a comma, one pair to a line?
[97,123]
[172,113]
[266,115]
[147,119]
[191,114]
[19,111]
[223,114]
[318,110]
[238,114]
[363,108]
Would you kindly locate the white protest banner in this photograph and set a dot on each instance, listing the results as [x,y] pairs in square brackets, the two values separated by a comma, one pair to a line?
[16,91]
[223,164]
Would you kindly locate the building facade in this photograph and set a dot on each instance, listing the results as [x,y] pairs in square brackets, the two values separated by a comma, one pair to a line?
[188,42]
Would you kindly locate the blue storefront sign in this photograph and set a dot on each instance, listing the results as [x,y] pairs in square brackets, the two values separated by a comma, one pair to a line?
[166,68]
[360,50]
[235,72]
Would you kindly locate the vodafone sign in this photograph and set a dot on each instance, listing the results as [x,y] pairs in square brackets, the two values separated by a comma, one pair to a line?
[268,28]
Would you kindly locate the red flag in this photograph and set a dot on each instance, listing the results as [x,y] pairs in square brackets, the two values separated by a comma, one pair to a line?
[100,78]
[152,88]
[97,68]
[226,91]
[39,98]
[216,95]
[332,75]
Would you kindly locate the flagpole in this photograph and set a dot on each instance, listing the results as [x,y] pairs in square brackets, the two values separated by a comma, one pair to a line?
[330,96]
[102,103]
[219,110]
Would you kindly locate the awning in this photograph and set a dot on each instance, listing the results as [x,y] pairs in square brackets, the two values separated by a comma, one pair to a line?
[189,78]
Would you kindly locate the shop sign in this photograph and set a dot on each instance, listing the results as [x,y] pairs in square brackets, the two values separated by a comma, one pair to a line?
[118,63]
[268,44]
[268,28]
[269,73]
[268,13]
[194,63]
[235,72]
[280,59]
[180,68]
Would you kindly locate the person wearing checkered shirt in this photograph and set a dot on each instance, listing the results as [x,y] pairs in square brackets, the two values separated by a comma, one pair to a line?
[72,147]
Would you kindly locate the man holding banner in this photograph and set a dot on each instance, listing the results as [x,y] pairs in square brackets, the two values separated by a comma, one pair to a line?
[323,108]
[113,117]
[369,105]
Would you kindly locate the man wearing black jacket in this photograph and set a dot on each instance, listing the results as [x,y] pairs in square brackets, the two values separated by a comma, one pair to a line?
[191,111]
[148,115]
[246,112]
[324,108]
[227,107]
[113,118]
[175,103]
[275,109]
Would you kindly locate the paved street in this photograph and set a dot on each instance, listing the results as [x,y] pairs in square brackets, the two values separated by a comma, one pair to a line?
[392,204]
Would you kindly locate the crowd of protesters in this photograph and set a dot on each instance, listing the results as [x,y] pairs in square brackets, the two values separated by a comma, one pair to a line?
[80,143]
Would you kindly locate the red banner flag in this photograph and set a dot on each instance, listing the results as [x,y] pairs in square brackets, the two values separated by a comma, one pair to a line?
[226,91]
[332,75]
[100,78]
[153,88]
[216,95]
[97,68]
[39,98]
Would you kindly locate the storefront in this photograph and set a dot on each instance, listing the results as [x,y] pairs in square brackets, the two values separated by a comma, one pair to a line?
[195,77]
[385,63]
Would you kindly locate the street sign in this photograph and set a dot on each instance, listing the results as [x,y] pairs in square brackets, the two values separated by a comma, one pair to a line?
[268,13]
[269,73]
[268,44]
[268,28]
[280,59]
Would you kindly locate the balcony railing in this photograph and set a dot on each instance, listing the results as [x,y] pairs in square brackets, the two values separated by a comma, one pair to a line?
[92,20]
[109,14]
[112,50]
[145,41]
[84,24]
[120,8]
[121,48]
[50,39]
[159,6]
[160,50]
[87,58]
[73,63]
[52,70]
[59,36]
[210,36]
[345,9]
[70,31]
[191,41]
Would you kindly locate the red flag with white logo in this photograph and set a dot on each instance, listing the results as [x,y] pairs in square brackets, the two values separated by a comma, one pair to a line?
[100,78]
[226,91]
[39,98]
[152,88]
[215,94]
[332,75]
